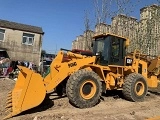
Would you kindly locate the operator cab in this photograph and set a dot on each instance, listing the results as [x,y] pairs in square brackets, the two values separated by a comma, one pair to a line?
[110,49]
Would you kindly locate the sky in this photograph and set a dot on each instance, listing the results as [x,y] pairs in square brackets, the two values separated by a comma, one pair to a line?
[61,20]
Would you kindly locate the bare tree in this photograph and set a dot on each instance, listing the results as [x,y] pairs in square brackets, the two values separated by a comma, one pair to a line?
[88,33]
[102,10]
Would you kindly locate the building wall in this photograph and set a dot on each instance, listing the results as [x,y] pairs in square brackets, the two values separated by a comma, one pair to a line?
[102,28]
[18,51]
[148,12]
[149,27]
[74,44]
[83,42]
[87,40]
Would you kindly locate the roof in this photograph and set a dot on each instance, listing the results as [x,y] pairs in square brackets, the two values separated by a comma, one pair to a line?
[106,34]
[151,6]
[102,24]
[20,26]
[124,16]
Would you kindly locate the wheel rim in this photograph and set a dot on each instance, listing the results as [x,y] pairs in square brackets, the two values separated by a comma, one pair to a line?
[88,89]
[139,88]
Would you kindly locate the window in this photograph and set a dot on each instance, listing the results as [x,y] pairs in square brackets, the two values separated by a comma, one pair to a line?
[115,47]
[2,32]
[28,39]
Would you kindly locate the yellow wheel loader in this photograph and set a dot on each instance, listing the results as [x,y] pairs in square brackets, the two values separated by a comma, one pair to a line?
[84,77]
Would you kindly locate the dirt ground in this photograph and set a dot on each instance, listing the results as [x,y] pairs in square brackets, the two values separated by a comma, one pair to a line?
[110,108]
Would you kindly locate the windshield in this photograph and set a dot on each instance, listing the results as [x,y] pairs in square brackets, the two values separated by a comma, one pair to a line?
[101,47]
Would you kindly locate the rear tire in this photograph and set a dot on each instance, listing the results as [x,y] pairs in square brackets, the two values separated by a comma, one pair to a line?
[84,88]
[135,87]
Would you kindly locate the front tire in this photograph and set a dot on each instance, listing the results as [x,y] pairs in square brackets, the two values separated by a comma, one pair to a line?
[135,87]
[84,88]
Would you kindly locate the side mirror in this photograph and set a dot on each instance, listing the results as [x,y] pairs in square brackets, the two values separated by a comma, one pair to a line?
[98,53]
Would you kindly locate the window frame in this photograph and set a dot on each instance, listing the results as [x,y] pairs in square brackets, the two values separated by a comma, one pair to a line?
[3,34]
[28,36]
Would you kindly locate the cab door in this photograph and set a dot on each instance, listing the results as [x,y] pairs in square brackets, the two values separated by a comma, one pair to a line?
[117,51]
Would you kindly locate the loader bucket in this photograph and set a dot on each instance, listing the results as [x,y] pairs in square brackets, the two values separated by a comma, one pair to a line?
[29,92]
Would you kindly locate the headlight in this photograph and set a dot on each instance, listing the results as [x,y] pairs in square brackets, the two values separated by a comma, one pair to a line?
[129,61]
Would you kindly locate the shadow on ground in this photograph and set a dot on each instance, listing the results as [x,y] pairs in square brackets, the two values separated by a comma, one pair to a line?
[45,105]
[116,94]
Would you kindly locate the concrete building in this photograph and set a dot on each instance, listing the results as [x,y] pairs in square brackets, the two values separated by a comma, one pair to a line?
[88,38]
[149,12]
[78,43]
[20,42]
[83,42]
[149,30]
[102,28]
